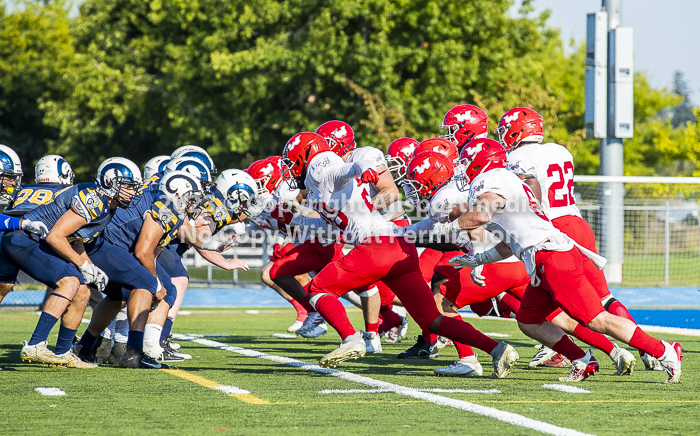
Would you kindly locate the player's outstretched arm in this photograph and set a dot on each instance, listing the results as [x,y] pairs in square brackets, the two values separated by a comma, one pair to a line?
[387,191]
[57,238]
[216,258]
[147,243]
[534,185]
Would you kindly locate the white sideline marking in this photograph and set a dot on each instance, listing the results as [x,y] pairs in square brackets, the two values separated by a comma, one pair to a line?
[284,335]
[566,388]
[50,392]
[379,391]
[671,330]
[231,390]
[501,415]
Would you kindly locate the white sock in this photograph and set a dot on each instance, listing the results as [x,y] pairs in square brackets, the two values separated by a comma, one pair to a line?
[151,340]
[121,333]
[110,330]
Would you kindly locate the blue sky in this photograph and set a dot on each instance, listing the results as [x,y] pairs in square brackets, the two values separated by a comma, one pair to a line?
[666,34]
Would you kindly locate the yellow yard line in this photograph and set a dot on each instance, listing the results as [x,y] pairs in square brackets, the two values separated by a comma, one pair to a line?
[246,398]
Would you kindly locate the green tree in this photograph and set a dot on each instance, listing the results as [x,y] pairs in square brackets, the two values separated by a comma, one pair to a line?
[35,50]
[240,78]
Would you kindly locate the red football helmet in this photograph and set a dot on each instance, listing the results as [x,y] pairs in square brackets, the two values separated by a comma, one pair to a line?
[481,155]
[426,173]
[464,123]
[439,145]
[518,125]
[339,135]
[277,160]
[297,154]
[398,155]
[267,175]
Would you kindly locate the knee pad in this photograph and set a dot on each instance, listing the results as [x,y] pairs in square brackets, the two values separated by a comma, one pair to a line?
[314,299]
[607,302]
[369,292]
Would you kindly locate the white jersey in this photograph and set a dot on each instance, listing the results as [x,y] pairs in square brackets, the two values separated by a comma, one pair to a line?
[553,167]
[266,221]
[377,158]
[443,202]
[342,200]
[520,224]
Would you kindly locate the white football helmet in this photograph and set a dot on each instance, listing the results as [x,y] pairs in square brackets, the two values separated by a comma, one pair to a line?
[154,166]
[116,172]
[193,166]
[196,152]
[10,172]
[238,188]
[53,169]
[184,191]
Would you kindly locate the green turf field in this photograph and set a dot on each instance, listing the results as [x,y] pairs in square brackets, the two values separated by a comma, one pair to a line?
[284,399]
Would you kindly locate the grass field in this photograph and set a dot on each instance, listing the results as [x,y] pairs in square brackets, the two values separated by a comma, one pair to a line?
[286,399]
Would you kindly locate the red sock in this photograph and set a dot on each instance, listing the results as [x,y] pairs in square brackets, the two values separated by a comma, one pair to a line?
[593,339]
[481,308]
[389,319]
[306,305]
[646,343]
[334,313]
[372,327]
[508,303]
[617,308]
[460,331]
[462,349]
[302,313]
[567,347]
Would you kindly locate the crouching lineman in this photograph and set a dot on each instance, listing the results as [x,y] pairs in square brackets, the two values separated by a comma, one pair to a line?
[76,216]
[504,205]
[338,191]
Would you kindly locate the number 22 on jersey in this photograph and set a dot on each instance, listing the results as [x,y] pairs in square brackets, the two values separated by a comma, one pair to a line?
[561,192]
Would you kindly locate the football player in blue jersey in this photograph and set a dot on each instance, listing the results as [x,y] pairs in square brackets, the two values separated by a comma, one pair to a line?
[75,216]
[10,186]
[52,175]
[157,217]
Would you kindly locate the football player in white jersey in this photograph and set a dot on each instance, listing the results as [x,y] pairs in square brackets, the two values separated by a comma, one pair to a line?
[430,177]
[268,177]
[548,169]
[504,205]
[377,299]
[339,192]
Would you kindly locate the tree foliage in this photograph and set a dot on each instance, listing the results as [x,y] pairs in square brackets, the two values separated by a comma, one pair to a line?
[140,78]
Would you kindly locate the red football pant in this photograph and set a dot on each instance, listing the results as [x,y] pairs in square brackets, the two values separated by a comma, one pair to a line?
[564,284]
[304,258]
[500,277]
[395,262]
[429,258]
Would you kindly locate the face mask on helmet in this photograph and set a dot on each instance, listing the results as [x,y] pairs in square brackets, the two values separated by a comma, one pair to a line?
[10,173]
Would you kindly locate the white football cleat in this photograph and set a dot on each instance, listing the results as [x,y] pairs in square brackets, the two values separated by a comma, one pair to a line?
[296,326]
[314,328]
[623,360]
[464,367]
[353,347]
[543,355]
[443,342]
[582,368]
[372,342]
[651,363]
[671,361]
[504,357]
[38,353]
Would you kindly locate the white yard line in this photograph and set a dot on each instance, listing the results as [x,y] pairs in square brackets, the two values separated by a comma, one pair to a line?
[50,392]
[380,391]
[231,390]
[507,417]
[566,388]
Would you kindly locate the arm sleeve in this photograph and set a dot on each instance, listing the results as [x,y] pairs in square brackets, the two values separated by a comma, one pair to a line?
[339,175]
[9,223]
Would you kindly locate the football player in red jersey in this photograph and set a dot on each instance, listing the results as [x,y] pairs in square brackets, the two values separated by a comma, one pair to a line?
[339,192]
[506,206]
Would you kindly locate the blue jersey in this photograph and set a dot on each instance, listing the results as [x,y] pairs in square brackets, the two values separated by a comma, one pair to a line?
[215,206]
[32,196]
[124,229]
[87,200]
